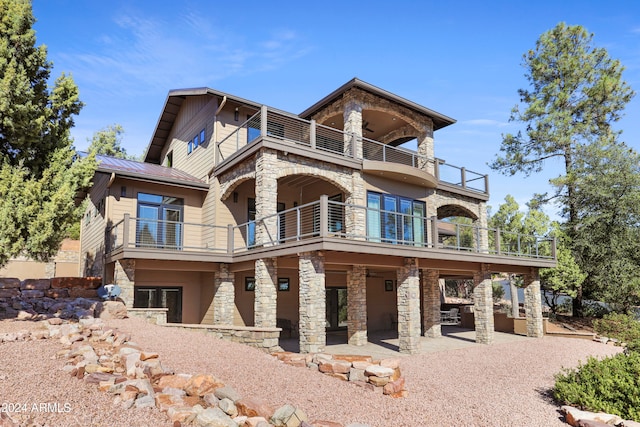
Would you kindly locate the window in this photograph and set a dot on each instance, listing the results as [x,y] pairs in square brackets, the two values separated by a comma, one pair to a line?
[249,284]
[274,129]
[251,226]
[283,284]
[196,141]
[395,219]
[160,297]
[190,147]
[159,223]
[202,136]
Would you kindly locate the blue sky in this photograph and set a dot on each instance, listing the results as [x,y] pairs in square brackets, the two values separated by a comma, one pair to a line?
[460,58]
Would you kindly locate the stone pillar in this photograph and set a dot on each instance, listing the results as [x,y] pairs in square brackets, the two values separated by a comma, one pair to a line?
[515,304]
[483,305]
[356,217]
[313,335]
[124,275]
[352,117]
[533,304]
[265,303]
[223,296]
[481,233]
[357,305]
[409,307]
[50,270]
[431,303]
[425,148]
[266,197]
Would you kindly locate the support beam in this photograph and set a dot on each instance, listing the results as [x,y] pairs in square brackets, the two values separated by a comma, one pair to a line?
[483,305]
[409,307]
[357,305]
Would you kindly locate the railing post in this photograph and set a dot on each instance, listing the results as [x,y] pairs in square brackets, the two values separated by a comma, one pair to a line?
[263,121]
[354,147]
[486,184]
[436,169]
[434,231]
[463,177]
[230,239]
[384,153]
[554,248]
[312,134]
[498,249]
[125,232]
[298,224]
[324,215]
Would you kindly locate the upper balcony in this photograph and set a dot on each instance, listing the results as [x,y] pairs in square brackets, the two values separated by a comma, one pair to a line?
[269,124]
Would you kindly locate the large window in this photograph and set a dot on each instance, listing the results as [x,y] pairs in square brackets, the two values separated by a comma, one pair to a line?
[395,219]
[251,226]
[159,223]
[160,297]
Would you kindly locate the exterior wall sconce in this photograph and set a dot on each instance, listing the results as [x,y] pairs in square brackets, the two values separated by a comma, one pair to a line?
[235,197]
[236,114]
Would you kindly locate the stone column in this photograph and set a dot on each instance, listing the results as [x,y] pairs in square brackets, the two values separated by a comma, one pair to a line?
[124,275]
[431,303]
[313,335]
[533,304]
[515,304]
[425,148]
[266,197]
[481,234]
[409,307]
[223,296]
[357,305]
[50,270]
[483,305]
[265,303]
[355,217]
[352,117]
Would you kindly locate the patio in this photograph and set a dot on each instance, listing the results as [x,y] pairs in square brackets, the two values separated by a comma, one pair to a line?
[385,344]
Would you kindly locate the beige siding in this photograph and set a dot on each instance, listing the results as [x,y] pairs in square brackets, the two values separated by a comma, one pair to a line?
[227,125]
[381,185]
[197,113]
[92,228]
[382,306]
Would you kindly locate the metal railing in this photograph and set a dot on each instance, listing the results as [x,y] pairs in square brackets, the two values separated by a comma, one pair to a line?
[166,235]
[326,219]
[294,130]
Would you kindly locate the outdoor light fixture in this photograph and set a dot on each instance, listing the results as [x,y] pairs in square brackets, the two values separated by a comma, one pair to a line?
[236,114]
[235,197]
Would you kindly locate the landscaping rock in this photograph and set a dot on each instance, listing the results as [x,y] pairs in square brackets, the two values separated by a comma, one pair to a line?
[254,407]
[227,392]
[573,416]
[199,385]
[214,417]
[288,416]
[379,371]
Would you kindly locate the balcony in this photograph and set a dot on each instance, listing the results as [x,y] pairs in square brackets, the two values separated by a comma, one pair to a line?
[297,132]
[356,228]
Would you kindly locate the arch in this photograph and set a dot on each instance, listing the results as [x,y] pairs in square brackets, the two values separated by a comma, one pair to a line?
[340,180]
[450,210]
[227,188]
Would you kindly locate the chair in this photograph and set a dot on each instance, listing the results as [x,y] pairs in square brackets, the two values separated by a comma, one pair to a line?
[450,317]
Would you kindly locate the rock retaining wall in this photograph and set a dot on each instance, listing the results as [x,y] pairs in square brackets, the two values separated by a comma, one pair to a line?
[265,339]
[59,296]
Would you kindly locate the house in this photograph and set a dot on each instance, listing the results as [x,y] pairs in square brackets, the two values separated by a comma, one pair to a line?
[248,216]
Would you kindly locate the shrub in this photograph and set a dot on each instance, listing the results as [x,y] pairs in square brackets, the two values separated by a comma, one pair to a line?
[498,291]
[622,327]
[610,385]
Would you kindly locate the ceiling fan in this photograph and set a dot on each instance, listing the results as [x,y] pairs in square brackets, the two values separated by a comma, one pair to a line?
[365,126]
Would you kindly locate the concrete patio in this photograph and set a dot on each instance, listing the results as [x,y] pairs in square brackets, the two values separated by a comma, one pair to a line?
[385,344]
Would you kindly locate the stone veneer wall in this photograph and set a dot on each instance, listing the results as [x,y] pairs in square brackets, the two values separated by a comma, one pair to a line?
[533,304]
[357,305]
[157,316]
[224,296]
[265,339]
[312,299]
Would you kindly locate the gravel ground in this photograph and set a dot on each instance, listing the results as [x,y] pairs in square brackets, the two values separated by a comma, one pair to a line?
[497,385]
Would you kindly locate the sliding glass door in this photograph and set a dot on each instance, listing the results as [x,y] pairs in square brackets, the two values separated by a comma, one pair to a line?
[395,219]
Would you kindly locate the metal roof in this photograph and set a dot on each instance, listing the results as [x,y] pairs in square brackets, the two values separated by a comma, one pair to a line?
[148,172]
[439,120]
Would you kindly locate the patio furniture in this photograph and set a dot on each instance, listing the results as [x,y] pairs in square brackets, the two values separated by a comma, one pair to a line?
[450,317]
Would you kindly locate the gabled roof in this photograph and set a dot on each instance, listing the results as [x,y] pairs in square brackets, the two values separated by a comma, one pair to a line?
[439,120]
[172,105]
[148,172]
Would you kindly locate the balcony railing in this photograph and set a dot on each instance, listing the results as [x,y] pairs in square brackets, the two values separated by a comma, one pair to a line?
[294,130]
[167,235]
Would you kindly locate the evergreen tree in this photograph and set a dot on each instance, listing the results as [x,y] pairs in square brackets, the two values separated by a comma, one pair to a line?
[577,94]
[107,141]
[40,174]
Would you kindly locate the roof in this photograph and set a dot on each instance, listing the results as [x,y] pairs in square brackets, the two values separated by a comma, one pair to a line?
[439,120]
[172,105]
[148,172]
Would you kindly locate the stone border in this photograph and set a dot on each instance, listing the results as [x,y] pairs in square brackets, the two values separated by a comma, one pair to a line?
[381,375]
[265,339]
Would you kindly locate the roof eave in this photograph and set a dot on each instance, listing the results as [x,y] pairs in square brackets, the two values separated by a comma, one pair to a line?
[441,119]
[164,180]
